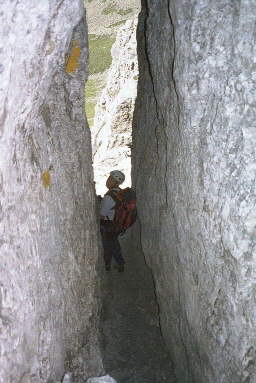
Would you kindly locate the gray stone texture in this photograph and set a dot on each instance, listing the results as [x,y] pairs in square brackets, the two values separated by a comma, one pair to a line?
[194,169]
[48,236]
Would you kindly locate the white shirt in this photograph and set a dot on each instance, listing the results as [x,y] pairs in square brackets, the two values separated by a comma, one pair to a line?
[107,207]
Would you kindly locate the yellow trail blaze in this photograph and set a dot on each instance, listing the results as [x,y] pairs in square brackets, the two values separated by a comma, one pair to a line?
[73,60]
[46,178]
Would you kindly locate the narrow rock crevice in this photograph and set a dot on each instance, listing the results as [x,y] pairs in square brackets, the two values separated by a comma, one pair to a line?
[193,156]
[133,348]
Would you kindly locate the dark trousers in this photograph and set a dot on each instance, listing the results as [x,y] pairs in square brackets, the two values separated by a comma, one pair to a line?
[112,248]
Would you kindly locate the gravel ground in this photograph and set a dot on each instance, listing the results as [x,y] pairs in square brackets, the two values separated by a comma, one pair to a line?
[133,349]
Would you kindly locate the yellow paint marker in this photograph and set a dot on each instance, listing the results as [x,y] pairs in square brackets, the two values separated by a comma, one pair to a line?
[46,179]
[73,60]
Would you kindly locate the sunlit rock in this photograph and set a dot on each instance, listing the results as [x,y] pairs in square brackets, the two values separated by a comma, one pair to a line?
[111,133]
[68,378]
[102,379]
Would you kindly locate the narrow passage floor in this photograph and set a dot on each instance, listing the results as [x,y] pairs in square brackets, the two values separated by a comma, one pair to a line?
[133,349]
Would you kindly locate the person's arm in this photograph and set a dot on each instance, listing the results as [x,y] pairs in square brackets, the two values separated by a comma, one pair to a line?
[106,208]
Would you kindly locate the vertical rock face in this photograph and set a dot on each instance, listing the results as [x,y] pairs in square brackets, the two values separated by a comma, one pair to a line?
[48,245]
[112,130]
[194,170]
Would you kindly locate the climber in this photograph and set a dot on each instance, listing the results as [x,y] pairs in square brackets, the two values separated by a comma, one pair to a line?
[111,245]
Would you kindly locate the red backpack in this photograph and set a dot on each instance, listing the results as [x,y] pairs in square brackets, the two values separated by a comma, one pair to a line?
[125,208]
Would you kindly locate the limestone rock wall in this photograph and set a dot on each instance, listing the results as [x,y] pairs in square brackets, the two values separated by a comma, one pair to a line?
[112,129]
[48,245]
[194,171]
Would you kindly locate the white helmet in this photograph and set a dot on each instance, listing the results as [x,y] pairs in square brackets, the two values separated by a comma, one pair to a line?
[118,176]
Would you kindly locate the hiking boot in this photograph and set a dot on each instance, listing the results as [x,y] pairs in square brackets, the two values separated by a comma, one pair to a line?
[107,267]
[120,268]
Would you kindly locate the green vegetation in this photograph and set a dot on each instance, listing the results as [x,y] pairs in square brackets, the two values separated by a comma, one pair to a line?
[110,9]
[100,45]
[117,24]
[90,111]
[100,53]
[99,60]
[124,12]
[91,88]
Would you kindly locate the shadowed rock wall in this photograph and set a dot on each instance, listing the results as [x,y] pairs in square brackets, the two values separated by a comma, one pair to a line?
[48,244]
[194,171]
